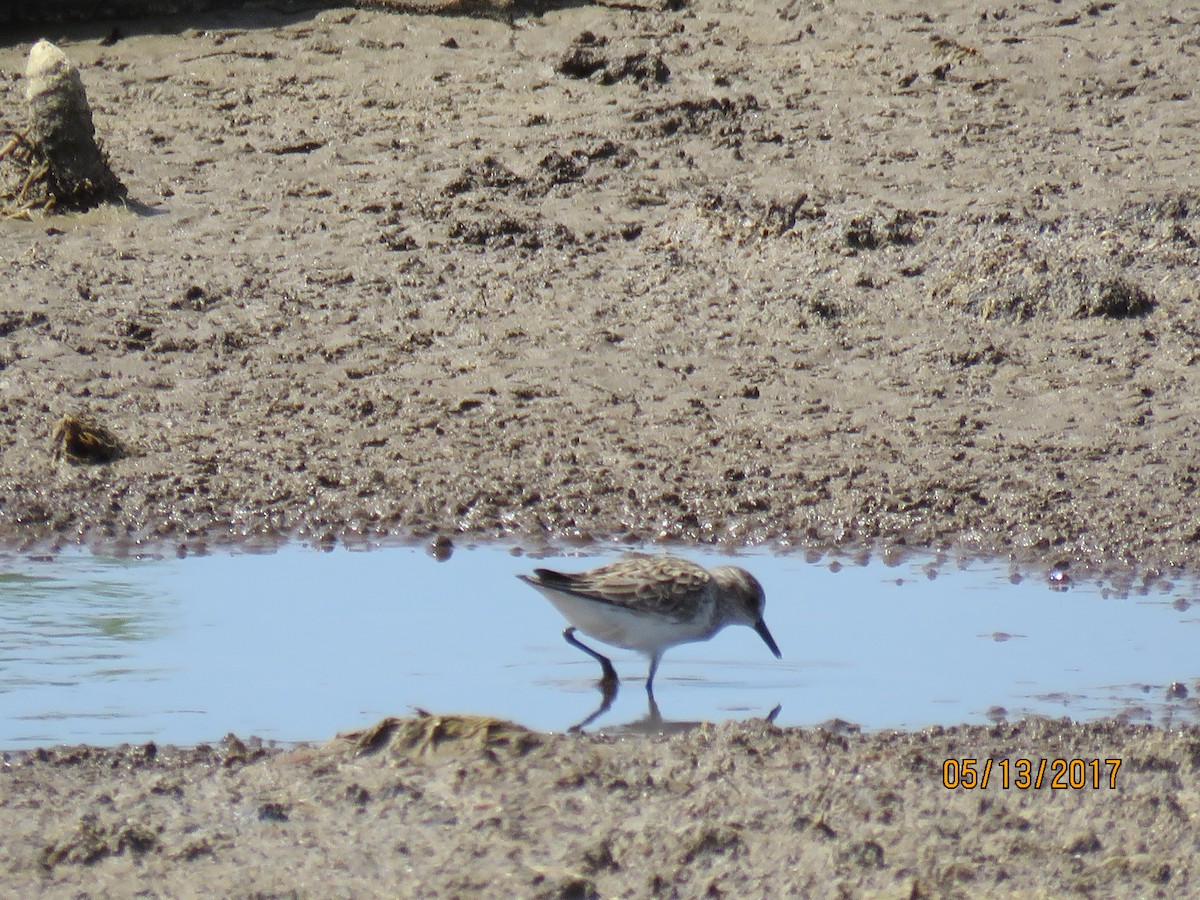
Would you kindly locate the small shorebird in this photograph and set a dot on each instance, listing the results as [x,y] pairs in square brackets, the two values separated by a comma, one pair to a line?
[651,603]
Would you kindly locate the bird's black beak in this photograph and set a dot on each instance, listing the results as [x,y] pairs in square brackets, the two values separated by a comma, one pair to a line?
[761,627]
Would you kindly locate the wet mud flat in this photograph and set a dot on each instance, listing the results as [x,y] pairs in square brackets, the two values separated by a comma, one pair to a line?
[467,807]
[728,272]
[724,273]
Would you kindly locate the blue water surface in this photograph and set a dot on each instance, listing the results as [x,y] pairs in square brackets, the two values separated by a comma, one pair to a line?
[301,643]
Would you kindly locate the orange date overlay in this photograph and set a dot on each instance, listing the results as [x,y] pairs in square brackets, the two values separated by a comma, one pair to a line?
[1026,774]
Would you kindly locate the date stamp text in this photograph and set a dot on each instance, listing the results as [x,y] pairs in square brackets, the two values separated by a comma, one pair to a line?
[1027,774]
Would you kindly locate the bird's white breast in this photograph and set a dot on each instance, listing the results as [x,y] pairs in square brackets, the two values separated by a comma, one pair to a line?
[645,632]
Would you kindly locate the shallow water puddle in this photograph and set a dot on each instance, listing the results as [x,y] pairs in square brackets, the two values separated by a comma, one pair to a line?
[301,643]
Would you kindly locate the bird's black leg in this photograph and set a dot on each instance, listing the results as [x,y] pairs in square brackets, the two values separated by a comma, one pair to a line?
[610,674]
[650,678]
[608,682]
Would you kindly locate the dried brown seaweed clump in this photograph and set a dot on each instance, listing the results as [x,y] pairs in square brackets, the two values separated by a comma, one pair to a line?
[82,439]
[58,164]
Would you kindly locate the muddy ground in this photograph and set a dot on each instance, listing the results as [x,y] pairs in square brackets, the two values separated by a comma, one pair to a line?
[804,274]
[734,810]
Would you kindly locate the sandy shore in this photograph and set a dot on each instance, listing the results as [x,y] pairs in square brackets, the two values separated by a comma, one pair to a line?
[800,274]
[460,808]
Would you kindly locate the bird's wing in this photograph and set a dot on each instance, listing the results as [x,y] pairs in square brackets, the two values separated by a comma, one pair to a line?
[663,586]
